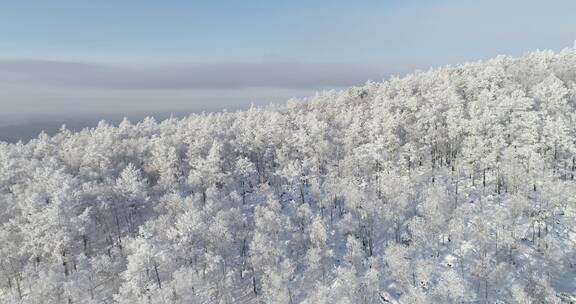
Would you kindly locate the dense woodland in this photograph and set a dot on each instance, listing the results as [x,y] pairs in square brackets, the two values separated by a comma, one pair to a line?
[454,185]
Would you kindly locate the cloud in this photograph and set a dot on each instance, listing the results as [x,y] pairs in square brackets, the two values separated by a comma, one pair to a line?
[187,76]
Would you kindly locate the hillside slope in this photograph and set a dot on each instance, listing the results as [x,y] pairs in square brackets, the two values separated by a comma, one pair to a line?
[454,185]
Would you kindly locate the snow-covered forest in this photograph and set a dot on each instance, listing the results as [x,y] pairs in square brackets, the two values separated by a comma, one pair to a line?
[454,185]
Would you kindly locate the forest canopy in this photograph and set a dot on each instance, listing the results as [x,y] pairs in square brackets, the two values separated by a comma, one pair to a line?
[453,185]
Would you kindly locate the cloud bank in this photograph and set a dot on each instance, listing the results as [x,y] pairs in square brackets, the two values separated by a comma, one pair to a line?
[187,76]
[35,89]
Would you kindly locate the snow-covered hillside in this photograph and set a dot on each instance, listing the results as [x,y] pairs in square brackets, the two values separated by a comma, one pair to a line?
[449,186]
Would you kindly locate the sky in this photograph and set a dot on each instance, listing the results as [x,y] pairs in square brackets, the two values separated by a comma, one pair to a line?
[73,57]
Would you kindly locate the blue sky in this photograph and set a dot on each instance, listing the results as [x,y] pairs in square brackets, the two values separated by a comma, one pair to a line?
[81,56]
[197,31]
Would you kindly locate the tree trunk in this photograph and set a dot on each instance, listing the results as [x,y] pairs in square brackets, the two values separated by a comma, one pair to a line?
[486,289]
[85,244]
[157,275]
[118,235]
[18,287]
